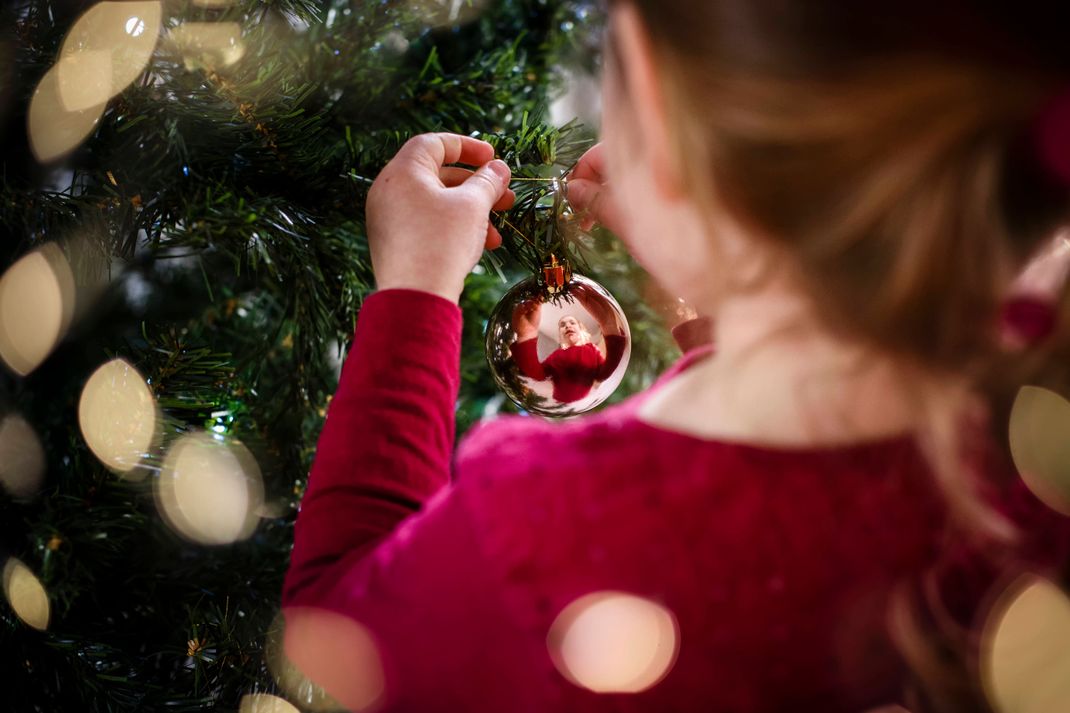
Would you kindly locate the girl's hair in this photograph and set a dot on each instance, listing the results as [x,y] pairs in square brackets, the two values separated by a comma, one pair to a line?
[585,335]
[889,154]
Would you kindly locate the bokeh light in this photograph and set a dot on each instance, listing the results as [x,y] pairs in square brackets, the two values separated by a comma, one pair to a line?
[22,459]
[210,490]
[1025,654]
[26,594]
[53,130]
[265,703]
[325,660]
[1039,437]
[614,642]
[118,417]
[443,13]
[208,45]
[36,304]
[107,48]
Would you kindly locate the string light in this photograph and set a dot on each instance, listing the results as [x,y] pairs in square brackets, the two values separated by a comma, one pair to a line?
[614,642]
[325,660]
[22,459]
[210,490]
[36,304]
[1025,660]
[118,416]
[1040,446]
[265,703]
[26,594]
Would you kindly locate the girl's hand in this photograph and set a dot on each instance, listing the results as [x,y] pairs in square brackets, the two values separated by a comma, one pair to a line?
[590,194]
[526,318]
[428,223]
[597,307]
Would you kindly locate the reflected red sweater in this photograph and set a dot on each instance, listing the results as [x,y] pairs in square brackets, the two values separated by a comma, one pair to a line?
[574,370]
[775,561]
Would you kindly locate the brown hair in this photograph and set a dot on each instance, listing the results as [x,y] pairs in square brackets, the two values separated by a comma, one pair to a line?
[887,152]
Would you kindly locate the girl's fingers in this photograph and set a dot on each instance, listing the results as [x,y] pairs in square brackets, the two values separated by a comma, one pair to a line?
[494,238]
[434,150]
[452,176]
[591,166]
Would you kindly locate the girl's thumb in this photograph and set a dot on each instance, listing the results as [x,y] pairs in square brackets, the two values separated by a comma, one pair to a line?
[490,181]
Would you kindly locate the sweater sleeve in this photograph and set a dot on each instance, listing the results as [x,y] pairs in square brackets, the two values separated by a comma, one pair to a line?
[693,333]
[387,443]
[615,345]
[526,355]
[385,540]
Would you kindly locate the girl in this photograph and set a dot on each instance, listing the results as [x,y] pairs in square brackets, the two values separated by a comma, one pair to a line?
[577,362]
[848,195]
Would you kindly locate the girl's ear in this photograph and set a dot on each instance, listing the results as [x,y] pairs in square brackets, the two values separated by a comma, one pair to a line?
[647,100]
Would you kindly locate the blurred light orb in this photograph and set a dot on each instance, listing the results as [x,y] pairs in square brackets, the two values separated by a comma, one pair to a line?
[22,459]
[444,13]
[26,594]
[208,45]
[124,32]
[1025,654]
[325,660]
[265,703]
[53,130]
[210,490]
[84,80]
[36,304]
[1039,435]
[614,642]
[117,415]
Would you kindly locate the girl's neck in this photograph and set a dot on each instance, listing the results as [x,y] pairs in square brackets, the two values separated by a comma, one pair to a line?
[777,377]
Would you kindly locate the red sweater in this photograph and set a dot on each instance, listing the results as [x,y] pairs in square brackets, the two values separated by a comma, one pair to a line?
[574,370]
[775,561]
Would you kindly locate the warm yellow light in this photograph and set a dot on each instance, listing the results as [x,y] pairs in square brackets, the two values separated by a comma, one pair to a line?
[25,594]
[210,491]
[117,414]
[265,703]
[1025,654]
[328,657]
[22,460]
[208,45]
[36,303]
[614,642]
[1039,437]
[54,131]
[109,46]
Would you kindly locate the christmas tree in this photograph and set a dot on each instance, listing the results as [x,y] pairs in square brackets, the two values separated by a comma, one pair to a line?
[183,261]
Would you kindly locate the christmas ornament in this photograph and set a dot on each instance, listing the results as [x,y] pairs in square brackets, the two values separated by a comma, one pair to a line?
[558,343]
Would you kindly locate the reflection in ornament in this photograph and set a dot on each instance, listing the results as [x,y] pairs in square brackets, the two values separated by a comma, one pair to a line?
[614,642]
[117,414]
[26,594]
[265,703]
[208,45]
[1025,659]
[36,304]
[1040,446]
[210,490]
[22,459]
[562,354]
[325,660]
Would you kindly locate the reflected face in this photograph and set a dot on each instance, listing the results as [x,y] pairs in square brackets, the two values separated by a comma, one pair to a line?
[569,330]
